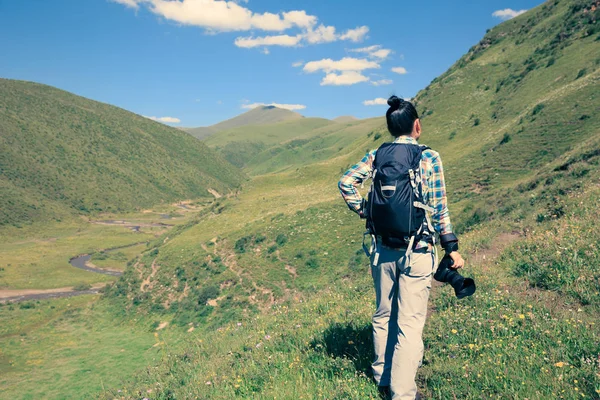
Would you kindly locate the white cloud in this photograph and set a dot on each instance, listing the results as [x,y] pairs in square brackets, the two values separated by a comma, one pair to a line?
[356,35]
[170,120]
[276,40]
[507,13]
[345,64]
[375,51]
[347,71]
[300,19]
[298,64]
[400,70]
[291,107]
[222,16]
[382,82]
[380,101]
[232,15]
[128,3]
[323,34]
[344,79]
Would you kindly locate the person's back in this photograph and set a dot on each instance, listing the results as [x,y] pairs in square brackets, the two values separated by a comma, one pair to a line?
[403,260]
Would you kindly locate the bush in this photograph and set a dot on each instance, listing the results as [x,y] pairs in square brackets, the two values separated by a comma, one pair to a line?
[551,62]
[82,287]
[452,135]
[505,139]
[476,122]
[377,137]
[241,245]
[281,239]
[537,109]
[581,73]
[312,262]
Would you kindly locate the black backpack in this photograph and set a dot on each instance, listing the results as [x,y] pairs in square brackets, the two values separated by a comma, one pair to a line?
[395,210]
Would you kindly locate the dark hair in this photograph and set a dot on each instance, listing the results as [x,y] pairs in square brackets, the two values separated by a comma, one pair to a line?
[401,116]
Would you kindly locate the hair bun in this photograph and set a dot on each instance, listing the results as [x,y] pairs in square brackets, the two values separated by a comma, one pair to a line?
[395,102]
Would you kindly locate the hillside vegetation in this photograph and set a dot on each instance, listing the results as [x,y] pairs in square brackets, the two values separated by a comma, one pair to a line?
[262,115]
[274,148]
[62,154]
[272,291]
[280,273]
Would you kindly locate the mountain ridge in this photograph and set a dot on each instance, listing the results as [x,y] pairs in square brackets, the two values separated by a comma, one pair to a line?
[260,115]
[63,154]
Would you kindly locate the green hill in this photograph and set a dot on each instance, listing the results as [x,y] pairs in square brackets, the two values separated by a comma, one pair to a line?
[239,145]
[272,294]
[257,116]
[283,276]
[62,154]
[345,119]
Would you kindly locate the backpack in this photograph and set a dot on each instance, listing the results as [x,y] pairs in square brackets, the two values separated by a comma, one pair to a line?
[395,211]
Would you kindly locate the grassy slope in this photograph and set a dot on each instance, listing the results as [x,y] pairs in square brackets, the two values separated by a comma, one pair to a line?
[289,238]
[61,153]
[68,349]
[257,116]
[239,145]
[528,180]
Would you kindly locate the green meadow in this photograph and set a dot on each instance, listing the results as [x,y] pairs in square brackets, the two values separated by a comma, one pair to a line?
[265,293]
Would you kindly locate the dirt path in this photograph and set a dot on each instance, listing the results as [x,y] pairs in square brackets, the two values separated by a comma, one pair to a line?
[229,259]
[18,295]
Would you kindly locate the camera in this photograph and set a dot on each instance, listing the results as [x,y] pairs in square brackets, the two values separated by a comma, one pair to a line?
[463,287]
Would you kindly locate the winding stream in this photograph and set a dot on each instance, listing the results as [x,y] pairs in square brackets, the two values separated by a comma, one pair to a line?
[81,262]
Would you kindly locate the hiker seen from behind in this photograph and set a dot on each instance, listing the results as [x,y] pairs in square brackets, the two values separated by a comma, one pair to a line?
[406,210]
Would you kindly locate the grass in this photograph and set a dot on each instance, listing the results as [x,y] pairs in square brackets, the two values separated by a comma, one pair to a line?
[63,155]
[273,295]
[43,263]
[37,256]
[505,341]
[68,348]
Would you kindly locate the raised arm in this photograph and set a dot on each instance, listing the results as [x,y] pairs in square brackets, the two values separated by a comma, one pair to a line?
[352,178]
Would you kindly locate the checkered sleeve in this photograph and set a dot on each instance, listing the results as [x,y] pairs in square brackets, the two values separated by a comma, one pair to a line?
[437,197]
[354,177]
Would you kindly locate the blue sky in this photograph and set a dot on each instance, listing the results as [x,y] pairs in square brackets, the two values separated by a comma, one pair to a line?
[197,62]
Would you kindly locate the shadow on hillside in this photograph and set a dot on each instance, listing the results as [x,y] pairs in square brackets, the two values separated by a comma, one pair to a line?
[351,342]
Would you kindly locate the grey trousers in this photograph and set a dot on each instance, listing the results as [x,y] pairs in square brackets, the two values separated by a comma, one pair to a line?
[402,289]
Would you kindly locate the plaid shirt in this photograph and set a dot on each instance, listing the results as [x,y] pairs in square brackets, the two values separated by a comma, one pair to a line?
[434,186]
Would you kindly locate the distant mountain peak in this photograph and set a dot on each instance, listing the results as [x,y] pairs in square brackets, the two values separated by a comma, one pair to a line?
[261,115]
[345,119]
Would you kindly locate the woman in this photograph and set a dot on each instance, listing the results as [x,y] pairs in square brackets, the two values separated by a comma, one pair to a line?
[402,269]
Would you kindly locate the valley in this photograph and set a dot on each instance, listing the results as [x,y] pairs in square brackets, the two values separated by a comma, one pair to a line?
[258,287]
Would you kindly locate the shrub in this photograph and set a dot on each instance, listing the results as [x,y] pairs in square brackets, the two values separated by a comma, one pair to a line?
[476,122]
[281,239]
[538,107]
[581,73]
[377,136]
[505,139]
[272,249]
[82,287]
[242,243]
[312,262]
[551,62]
[452,135]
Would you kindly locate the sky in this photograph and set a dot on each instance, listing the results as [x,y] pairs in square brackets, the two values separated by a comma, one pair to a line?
[194,63]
